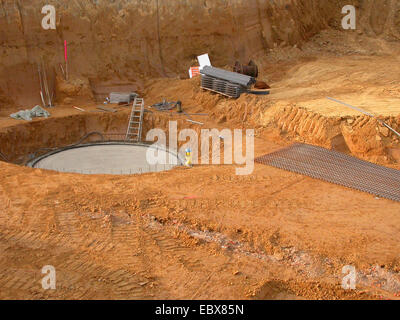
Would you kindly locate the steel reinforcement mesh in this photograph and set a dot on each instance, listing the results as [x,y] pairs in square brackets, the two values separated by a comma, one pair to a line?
[338,168]
[222,86]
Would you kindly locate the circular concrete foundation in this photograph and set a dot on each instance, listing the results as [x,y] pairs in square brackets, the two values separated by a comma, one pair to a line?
[104,158]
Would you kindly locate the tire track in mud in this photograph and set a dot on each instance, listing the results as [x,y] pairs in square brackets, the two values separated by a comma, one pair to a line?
[126,236]
[122,270]
[18,279]
[88,279]
[74,270]
[173,248]
[123,258]
[305,265]
[20,274]
[166,242]
[159,250]
[126,270]
[69,238]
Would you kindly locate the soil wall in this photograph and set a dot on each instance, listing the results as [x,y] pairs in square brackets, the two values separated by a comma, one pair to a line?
[133,39]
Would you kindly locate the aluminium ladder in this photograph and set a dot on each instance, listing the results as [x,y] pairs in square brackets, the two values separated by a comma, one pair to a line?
[134,132]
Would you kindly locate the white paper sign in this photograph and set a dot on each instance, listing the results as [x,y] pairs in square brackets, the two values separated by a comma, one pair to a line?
[204,60]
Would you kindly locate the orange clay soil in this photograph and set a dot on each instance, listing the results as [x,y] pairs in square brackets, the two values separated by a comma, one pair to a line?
[205,233]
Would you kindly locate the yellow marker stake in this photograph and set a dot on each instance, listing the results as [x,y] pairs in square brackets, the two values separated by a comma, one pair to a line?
[188,159]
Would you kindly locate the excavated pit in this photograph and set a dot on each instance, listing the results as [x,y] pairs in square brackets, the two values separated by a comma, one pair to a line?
[86,144]
[104,158]
[25,141]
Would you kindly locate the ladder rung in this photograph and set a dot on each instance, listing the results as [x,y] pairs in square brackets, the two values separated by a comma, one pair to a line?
[135,120]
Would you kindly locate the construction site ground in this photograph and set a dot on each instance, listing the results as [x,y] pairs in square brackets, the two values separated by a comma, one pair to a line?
[204,232]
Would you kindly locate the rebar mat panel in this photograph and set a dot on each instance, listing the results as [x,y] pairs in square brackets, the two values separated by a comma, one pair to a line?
[221,86]
[338,168]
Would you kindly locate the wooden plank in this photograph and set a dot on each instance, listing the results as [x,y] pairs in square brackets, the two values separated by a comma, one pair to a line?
[195,122]
[192,114]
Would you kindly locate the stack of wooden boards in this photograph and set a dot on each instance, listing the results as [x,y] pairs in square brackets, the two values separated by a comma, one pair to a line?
[122,97]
